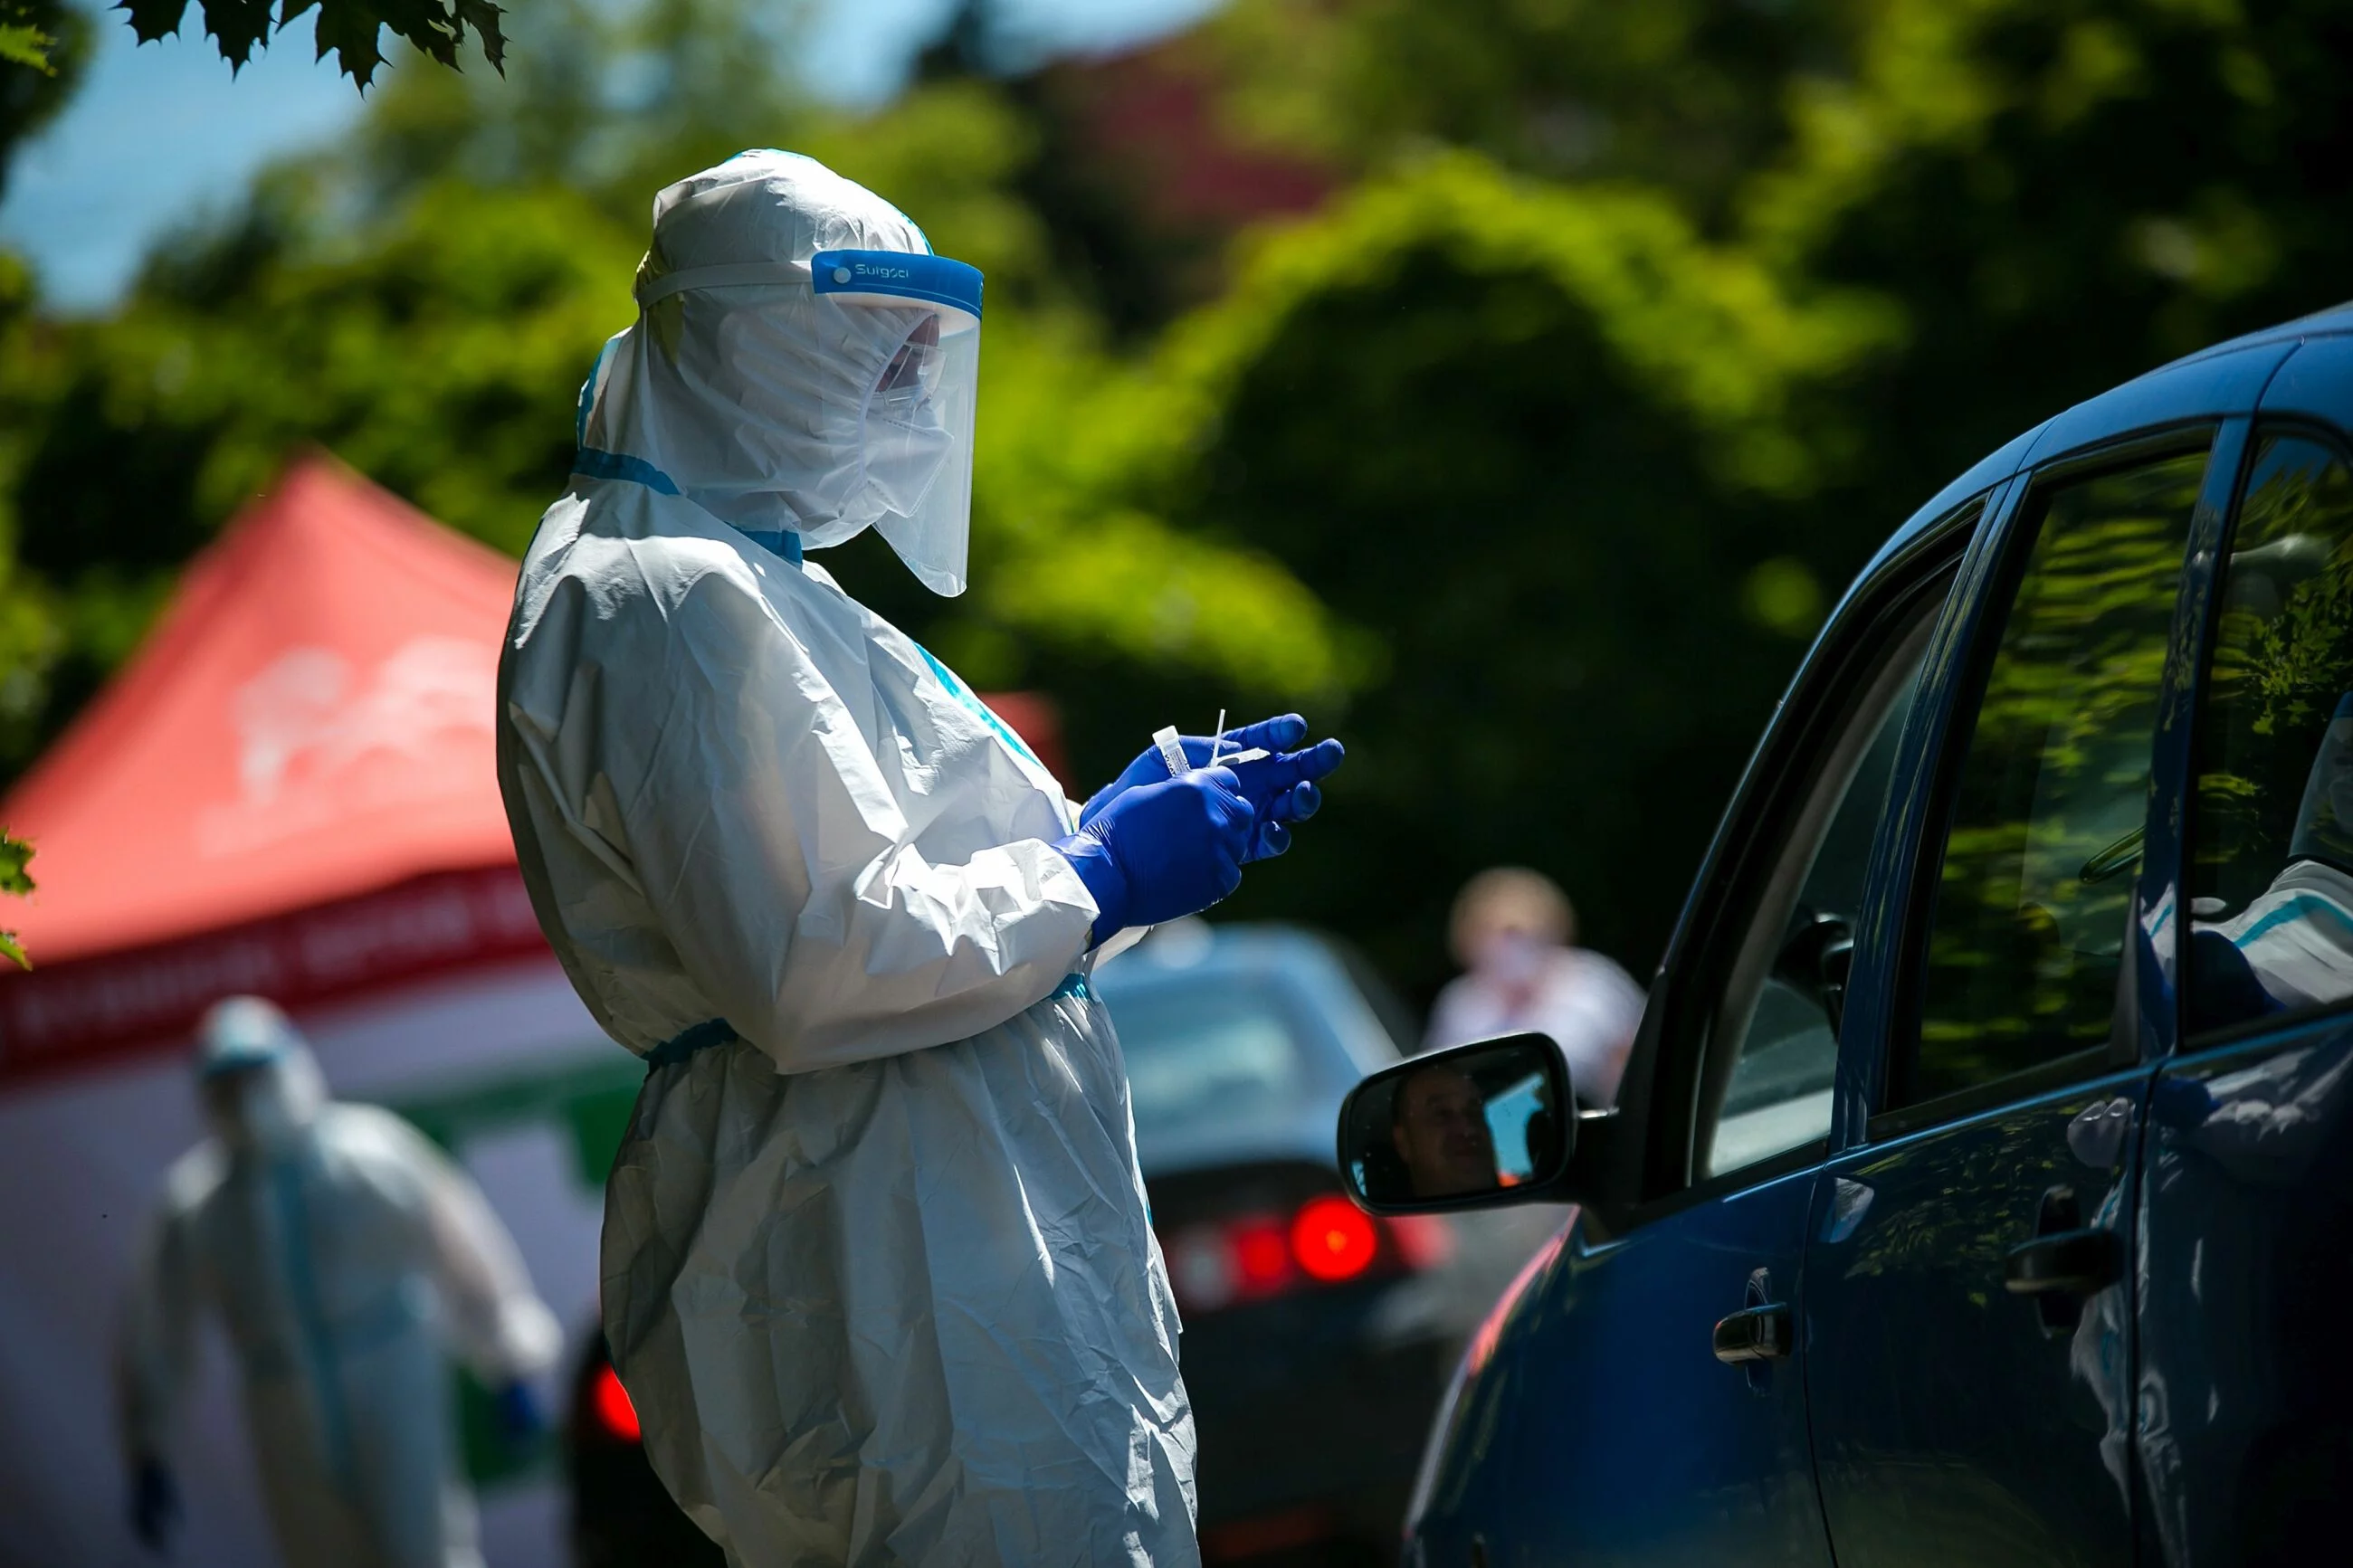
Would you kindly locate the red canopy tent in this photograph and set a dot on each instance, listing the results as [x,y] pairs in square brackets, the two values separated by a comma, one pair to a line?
[307,733]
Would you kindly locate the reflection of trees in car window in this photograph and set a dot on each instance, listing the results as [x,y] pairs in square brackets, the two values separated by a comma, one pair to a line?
[2272,862]
[2038,871]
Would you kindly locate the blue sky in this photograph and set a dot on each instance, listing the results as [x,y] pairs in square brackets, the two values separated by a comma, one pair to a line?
[161,131]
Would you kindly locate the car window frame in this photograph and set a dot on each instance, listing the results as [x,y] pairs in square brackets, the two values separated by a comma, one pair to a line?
[1656,1146]
[1992,579]
[1907,627]
[2212,566]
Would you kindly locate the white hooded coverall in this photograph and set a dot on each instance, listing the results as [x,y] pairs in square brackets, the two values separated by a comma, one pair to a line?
[345,1256]
[878,1270]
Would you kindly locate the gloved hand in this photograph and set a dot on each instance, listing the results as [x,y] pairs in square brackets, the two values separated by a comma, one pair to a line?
[1280,788]
[155,1503]
[517,1409]
[1162,850]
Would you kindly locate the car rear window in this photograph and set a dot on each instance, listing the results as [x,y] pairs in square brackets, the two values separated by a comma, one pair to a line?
[1206,1051]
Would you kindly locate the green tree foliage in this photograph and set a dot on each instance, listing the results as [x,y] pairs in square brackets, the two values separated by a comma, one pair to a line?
[15,881]
[43,44]
[28,35]
[352,29]
[1588,587]
[1684,96]
[1535,443]
[426,302]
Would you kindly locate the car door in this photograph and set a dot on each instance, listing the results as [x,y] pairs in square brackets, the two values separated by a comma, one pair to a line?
[2245,1399]
[1966,1323]
[1601,1425]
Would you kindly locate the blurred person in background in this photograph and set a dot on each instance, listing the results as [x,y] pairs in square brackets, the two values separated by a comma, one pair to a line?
[1514,933]
[879,1272]
[345,1256]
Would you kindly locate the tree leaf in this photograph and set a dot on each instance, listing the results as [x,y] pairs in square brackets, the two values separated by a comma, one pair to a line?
[483,17]
[12,950]
[14,853]
[236,26]
[153,19]
[351,31]
[23,44]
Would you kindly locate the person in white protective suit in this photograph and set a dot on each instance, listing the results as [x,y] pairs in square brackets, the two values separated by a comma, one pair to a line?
[2292,946]
[879,1273]
[345,1256]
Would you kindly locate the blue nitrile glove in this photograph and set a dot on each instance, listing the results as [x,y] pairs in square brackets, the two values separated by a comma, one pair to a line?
[1161,850]
[1280,788]
[517,1410]
[155,1503]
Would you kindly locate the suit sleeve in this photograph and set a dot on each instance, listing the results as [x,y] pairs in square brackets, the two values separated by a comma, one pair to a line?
[747,803]
[155,1348]
[496,1322]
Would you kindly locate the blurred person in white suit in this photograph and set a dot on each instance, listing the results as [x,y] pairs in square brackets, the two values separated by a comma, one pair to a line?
[346,1258]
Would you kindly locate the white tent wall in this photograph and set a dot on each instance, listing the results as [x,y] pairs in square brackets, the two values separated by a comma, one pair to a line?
[81,1157]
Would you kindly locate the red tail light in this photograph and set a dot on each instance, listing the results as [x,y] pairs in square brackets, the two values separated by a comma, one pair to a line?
[1334,1239]
[610,1404]
[1327,1241]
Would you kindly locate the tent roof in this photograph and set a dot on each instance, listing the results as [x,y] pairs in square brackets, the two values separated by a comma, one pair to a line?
[311,718]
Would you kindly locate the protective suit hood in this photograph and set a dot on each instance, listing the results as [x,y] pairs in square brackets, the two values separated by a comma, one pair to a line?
[262,1089]
[801,365]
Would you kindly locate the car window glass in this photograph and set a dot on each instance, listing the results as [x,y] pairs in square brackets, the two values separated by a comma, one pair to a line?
[2271,884]
[2031,901]
[1779,1013]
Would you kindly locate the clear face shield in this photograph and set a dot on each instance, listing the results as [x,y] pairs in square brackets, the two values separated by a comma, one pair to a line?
[917,435]
[873,375]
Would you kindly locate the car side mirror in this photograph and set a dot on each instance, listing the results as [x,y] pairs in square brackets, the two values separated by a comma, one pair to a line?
[1474,1126]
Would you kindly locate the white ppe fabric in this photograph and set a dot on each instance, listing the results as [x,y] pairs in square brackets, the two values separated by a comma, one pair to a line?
[879,1276]
[345,1256]
[774,407]
[2297,934]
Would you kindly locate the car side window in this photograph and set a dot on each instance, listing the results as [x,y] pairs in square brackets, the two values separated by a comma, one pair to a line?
[1779,1008]
[2271,877]
[2032,892]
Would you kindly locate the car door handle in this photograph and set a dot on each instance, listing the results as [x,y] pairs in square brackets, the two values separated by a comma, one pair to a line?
[1754,1333]
[2067,1263]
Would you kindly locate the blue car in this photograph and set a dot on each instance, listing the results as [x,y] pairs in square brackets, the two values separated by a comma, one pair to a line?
[1980,1187]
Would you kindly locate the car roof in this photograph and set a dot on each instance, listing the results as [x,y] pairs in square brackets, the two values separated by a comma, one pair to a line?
[2322,323]
[2013,455]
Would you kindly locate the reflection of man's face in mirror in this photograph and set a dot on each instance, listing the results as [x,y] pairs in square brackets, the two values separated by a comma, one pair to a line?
[1440,1128]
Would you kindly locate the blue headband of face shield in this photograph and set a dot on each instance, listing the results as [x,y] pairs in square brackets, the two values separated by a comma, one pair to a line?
[883,275]
[874,277]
